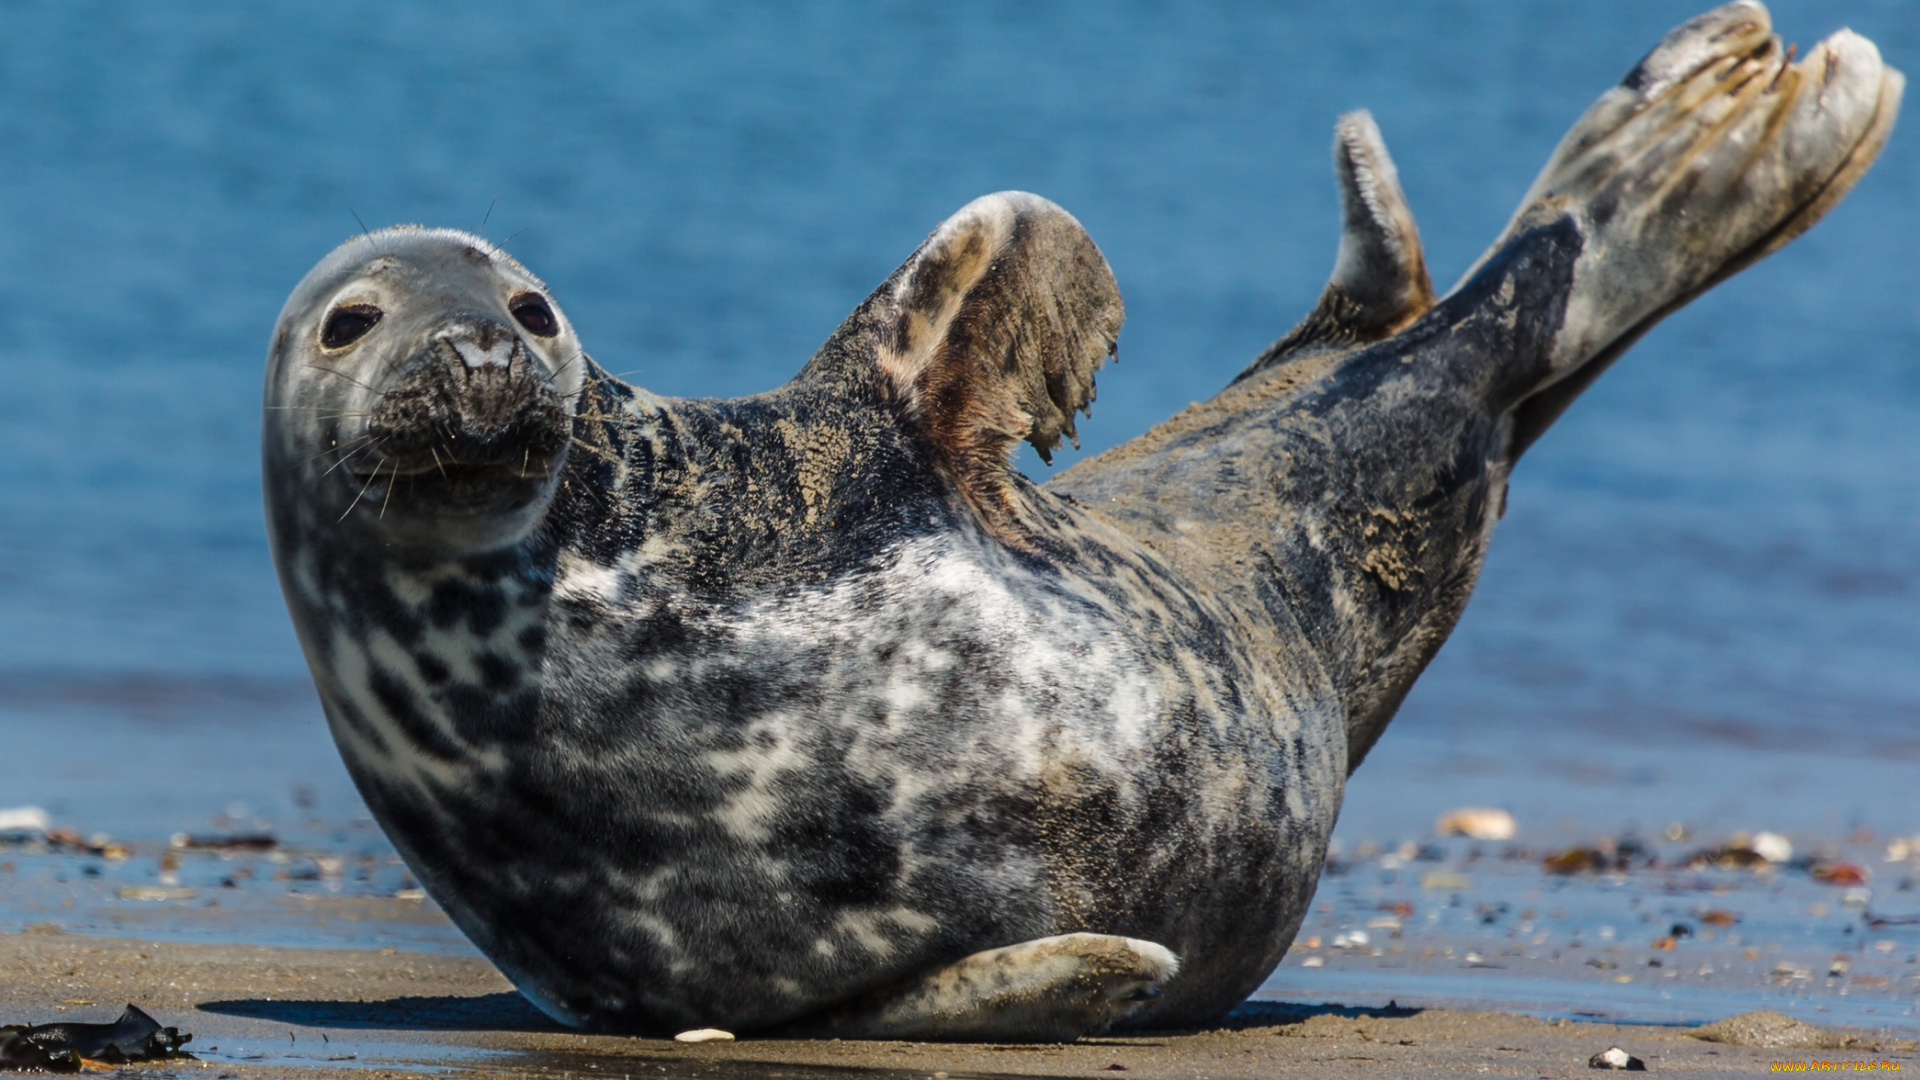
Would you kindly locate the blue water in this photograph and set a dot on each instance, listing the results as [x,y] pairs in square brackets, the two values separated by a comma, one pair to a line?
[1715,550]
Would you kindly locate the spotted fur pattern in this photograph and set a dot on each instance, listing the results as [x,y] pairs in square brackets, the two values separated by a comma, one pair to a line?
[758,752]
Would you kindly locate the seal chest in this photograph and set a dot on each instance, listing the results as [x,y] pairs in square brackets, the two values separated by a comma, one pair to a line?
[803,712]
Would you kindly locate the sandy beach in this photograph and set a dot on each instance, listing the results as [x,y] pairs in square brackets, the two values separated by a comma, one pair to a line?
[281,1012]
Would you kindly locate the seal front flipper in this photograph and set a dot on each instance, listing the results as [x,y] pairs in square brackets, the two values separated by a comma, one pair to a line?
[1054,989]
[989,334]
[1379,283]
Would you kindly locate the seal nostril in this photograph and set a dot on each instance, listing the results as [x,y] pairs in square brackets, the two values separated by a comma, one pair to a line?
[348,324]
[533,312]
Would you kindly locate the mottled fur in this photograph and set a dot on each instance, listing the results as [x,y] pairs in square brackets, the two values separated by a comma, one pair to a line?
[803,712]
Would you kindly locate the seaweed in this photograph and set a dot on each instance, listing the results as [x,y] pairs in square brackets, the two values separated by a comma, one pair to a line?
[63,1047]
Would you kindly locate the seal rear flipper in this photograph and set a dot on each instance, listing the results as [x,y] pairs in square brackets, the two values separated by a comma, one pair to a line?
[1053,989]
[1379,283]
[1715,151]
[1538,412]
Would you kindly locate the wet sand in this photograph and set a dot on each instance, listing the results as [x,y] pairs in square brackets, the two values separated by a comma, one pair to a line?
[264,1012]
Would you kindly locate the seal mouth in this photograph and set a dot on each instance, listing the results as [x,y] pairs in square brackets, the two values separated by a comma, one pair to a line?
[452,489]
[452,473]
[470,426]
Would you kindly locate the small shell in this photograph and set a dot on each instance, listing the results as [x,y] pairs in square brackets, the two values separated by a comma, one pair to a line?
[704,1035]
[1477,822]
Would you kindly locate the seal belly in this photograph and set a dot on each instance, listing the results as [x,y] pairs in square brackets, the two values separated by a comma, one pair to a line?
[744,814]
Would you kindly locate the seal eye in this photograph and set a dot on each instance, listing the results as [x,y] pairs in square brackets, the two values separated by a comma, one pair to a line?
[348,324]
[534,314]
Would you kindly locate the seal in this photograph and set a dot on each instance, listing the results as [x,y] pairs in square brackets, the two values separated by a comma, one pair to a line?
[804,712]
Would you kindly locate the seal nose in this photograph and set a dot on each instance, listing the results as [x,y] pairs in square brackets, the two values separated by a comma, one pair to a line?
[476,357]
[481,344]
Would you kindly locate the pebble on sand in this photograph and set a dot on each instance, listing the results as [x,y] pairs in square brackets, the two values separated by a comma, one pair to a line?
[704,1035]
[152,892]
[1577,860]
[1477,823]
[23,819]
[1615,1058]
[1839,873]
[1745,853]
[1771,846]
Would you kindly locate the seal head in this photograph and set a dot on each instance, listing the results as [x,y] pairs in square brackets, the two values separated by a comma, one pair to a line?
[427,378]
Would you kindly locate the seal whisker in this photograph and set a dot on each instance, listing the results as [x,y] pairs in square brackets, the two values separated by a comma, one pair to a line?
[350,449]
[349,456]
[590,384]
[555,373]
[343,416]
[363,491]
[349,378]
[364,231]
[391,484]
[311,408]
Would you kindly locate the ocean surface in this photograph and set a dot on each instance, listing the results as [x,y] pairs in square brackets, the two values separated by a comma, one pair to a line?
[1703,604]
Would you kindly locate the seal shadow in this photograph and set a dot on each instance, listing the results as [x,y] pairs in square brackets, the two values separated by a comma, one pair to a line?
[1260,1014]
[486,1012]
[509,1011]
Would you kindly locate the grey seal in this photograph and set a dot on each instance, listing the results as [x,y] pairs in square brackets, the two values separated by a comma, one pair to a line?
[804,712]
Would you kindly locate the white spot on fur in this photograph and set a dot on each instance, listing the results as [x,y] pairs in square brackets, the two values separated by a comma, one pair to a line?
[577,578]
[749,812]
[413,590]
[918,922]
[864,928]
[661,931]
[653,549]
[402,764]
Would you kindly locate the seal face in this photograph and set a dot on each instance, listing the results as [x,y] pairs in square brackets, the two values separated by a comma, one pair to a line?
[432,381]
[804,712]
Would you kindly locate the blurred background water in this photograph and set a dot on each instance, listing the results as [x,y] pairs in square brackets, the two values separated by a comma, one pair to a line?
[1702,600]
